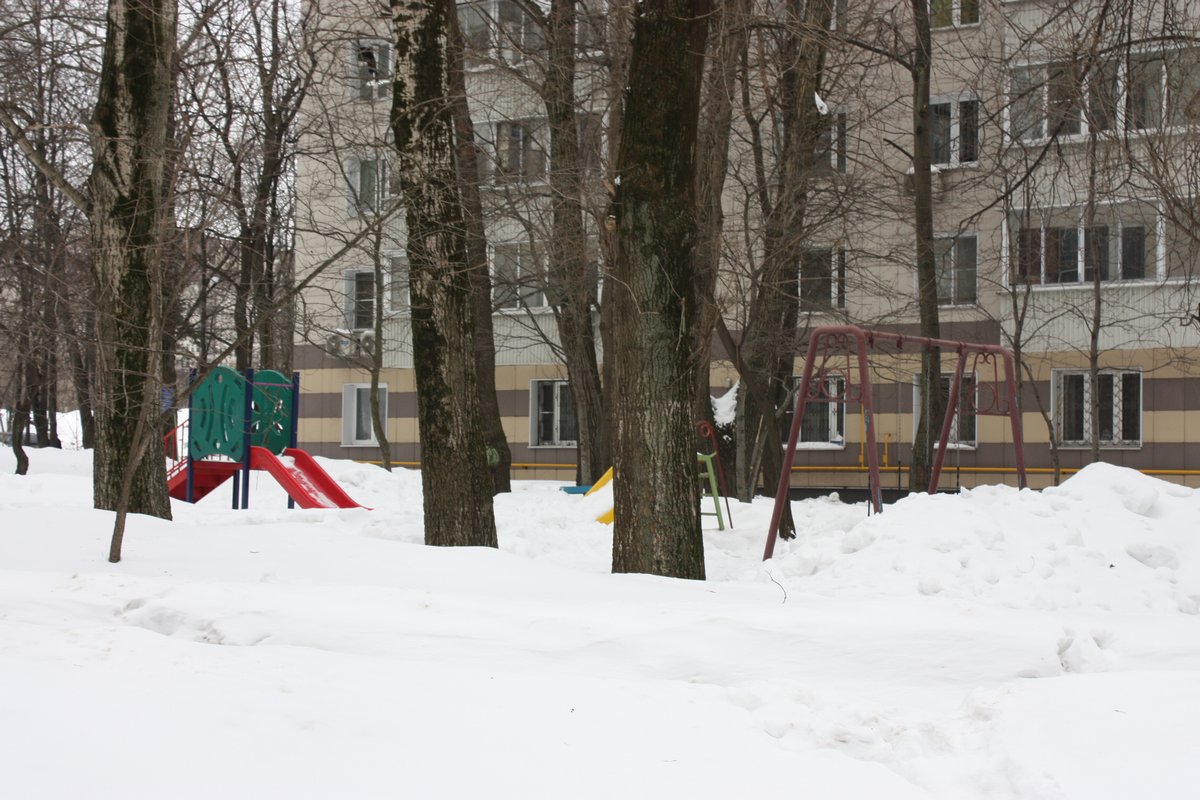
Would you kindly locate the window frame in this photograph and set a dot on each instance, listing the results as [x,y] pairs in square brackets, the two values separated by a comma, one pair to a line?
[1118,389]
[535,413]
[954,133]
[835,276]
[367,89]
[956,12]
[954,249]
[835,415]
[532,140]
[351,411]
[520,301]
[384,190]
[956,440]
[1115,225]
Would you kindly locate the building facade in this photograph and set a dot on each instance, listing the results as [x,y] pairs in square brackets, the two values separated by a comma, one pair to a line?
[1065,150]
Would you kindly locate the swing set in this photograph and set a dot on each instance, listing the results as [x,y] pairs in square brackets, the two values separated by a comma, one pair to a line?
[832,346]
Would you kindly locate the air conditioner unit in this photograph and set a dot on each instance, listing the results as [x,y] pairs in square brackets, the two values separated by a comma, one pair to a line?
[342,343]
[365,343]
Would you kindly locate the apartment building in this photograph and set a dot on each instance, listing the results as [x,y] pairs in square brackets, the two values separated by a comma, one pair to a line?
[1065,153]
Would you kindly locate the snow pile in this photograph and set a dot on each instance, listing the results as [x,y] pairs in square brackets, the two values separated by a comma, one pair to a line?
[991,644]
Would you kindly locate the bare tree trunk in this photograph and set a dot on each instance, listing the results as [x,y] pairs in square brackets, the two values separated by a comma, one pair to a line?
[657,515]
[481,299]
[768,348]
[129,135]
[454,476]
[932,397]
[568,269]
[727,40]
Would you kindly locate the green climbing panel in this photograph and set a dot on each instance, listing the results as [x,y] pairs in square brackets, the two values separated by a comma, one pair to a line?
[271,411]
[217,408]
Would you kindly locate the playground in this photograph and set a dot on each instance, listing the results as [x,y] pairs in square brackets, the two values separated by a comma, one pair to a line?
[241,423]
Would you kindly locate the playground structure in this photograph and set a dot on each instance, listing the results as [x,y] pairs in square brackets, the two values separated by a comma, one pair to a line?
[711,475]
[241,423]
[831,342]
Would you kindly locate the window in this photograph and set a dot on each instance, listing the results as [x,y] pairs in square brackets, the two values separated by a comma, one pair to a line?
[590,16]
[824,423]
[957,262]
[1183,87]
[360,299]
[962,426]
[954,132]
[822,279]
[371,70]
[1144,93]
[1140,93]
[520,156]
[518,277]
[398,292]
[1118,420]
[949,13]
[370,184]
[831,147]
[499,30]
[357,429]
[553,415]
[1118,246]
[591,141]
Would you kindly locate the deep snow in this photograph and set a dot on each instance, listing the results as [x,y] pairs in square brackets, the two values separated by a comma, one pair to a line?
[991,644]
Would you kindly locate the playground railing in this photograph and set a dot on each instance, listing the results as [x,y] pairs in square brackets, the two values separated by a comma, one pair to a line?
[175,449]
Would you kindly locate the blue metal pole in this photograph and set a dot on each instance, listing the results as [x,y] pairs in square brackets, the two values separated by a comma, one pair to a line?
[191,472]
[294,423]
[247,413]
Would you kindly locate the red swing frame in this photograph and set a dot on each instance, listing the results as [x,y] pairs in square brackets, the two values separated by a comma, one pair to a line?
[832,341]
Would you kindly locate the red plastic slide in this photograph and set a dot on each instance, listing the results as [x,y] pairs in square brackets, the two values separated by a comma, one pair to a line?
[302,478]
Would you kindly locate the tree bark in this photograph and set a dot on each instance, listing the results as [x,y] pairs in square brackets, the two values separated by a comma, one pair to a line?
[454,475]
[568,267]
[657,519]
[129,139]
[481,299]
[932,397]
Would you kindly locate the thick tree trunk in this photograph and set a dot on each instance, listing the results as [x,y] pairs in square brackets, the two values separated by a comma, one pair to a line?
[657,525]
[932,397]
[129,133]
[481,299]
[454,474]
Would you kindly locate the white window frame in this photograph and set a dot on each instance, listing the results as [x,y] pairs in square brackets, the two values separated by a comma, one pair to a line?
[529,296]
[351,294]
[1154,270]
[535,412]
[956,441]
[1120,122]
[1059,399]
[398,281]
[502,45]
[532,140]
[352,395]
[955,102]
[835,386]
[837,279]
[380,196]
[956,16]
[363,87]
[955,270]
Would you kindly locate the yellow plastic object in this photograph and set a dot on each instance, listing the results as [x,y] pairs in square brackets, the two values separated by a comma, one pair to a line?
[600,484]
[606,517]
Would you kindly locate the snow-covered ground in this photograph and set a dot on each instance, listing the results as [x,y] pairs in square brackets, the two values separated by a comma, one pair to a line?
[992,644]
